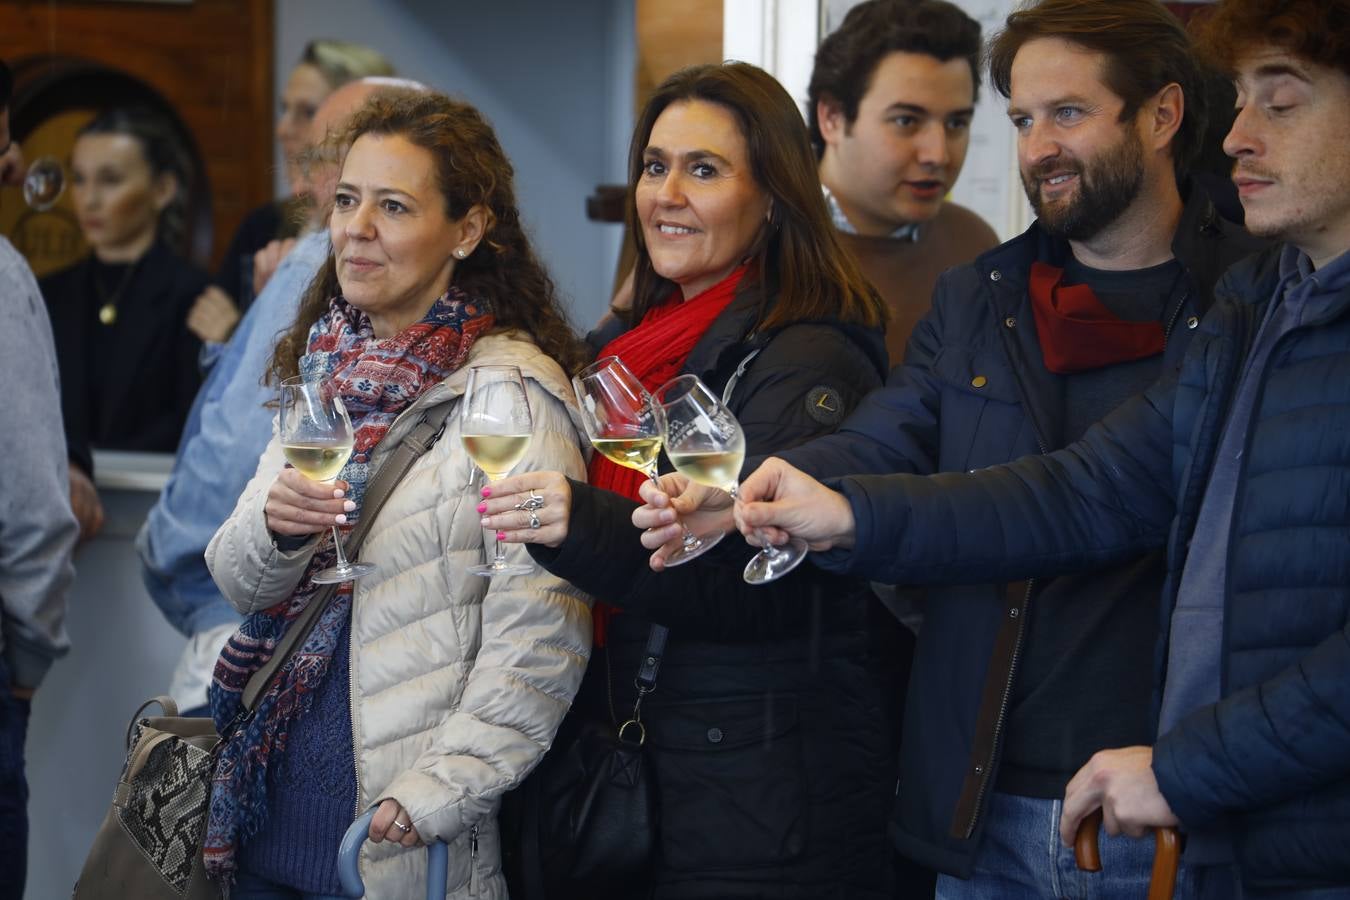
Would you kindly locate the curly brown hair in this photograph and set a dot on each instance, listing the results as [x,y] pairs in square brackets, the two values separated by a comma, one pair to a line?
[1315,30]
[800,261]
[471,170]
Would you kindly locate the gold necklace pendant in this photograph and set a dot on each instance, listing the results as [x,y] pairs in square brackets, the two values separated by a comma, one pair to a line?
[107,313]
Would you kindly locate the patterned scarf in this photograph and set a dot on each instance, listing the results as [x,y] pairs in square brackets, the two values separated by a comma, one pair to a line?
[377,379]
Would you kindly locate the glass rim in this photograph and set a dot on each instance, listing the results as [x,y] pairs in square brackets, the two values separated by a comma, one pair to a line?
[601,363]
[693,382]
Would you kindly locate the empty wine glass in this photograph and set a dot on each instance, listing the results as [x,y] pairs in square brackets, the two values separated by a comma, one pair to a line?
[317,439]
[623,424]
[495,427]
[44,183]
[705,442]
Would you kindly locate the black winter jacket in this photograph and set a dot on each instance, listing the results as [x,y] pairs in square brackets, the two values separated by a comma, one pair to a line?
[772,754]
[974,392]
[1270,763]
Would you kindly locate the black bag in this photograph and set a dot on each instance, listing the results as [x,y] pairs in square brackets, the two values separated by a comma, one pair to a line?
[591,816]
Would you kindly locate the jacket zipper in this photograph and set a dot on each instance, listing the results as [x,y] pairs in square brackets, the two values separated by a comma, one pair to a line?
[473,861]
[351,701]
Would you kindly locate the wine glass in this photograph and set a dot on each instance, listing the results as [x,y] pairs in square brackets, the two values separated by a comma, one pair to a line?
[622,423]
[495,426]
[317,438]
[44,183]
[705,442]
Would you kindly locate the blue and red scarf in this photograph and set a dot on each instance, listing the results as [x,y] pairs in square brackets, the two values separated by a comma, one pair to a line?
[377,380]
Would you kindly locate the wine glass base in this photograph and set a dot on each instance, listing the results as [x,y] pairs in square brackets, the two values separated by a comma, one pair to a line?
[487,570]
[699,546]
[337,575]
[773,563]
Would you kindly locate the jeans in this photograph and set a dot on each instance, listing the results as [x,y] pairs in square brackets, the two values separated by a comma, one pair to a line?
[1021,858]
[13,791]
[253,887]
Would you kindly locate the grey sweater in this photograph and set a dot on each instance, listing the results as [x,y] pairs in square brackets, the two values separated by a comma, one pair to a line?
[37,528]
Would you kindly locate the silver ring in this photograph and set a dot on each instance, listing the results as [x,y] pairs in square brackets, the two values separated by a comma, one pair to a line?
[404,828]
[534,520]
[533,503]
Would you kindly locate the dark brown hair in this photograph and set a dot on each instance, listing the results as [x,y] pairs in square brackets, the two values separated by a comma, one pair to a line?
[471,170]
[873,30]
[1145,46]
[164,153]
[798,256]
[1315,30]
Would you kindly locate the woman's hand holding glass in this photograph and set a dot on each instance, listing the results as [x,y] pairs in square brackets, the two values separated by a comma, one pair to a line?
[624,424]
[530,508]
[317,438]
[673,506]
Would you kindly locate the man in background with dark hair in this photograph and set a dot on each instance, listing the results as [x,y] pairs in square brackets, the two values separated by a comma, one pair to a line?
[889,107]
[1016,685]
[1238,463]
[37,528]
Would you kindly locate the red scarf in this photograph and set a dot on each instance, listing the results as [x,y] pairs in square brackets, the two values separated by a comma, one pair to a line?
[1078,333]
[655,351]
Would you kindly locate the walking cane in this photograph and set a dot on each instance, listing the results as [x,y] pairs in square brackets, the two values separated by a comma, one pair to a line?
[1166,855]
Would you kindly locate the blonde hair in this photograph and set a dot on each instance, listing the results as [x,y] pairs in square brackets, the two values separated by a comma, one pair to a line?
[343,61]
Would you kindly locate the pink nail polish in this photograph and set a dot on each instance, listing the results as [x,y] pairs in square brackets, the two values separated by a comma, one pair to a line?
[501,535]
[340,519]
[482,507]
[487,492]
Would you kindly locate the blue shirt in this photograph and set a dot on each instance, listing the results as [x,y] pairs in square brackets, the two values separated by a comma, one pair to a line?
[227,430]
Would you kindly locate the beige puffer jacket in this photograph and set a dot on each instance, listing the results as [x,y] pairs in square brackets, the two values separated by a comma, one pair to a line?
[459,682]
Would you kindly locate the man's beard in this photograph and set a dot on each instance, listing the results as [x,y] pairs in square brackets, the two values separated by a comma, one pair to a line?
[1107,186]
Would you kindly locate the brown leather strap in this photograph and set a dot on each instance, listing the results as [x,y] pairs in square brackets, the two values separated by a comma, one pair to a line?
[415,443]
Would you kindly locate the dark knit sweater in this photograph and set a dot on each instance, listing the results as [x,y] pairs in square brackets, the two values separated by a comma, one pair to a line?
[311,791]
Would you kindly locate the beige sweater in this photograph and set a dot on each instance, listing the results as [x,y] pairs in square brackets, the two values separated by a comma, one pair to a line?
[458,682]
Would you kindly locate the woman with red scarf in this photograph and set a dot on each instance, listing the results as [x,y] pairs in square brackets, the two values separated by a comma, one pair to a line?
[766,731]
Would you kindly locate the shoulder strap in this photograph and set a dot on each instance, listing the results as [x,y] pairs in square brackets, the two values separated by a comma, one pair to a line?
[415,443]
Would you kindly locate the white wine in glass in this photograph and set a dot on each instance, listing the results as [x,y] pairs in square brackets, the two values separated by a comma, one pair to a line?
[317,438]
[495,428]
[624,425]
[705,442]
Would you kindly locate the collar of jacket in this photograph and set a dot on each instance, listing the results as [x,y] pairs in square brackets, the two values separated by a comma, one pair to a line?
[1204,243]
[732,336]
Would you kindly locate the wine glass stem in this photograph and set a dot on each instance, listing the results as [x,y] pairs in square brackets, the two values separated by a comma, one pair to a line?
[765,548]
[342,564]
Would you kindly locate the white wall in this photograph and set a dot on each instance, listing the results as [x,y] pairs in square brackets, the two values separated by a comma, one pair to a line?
[556,81]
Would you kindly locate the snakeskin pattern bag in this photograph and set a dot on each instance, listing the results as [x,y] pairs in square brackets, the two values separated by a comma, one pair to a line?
[150,841]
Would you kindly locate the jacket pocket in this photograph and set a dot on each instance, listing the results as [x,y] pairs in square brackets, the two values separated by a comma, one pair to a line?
[731,782]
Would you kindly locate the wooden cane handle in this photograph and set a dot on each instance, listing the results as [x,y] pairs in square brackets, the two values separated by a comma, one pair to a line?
[1166,855]
[1085,851]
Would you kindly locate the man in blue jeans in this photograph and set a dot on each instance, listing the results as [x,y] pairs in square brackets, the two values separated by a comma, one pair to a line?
[1239,464]
[37,528]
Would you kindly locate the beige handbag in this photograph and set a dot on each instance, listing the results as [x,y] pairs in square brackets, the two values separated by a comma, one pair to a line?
[150,843]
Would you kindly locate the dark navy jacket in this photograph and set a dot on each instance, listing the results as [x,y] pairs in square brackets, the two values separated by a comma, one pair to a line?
[1270,763]
[974,392]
